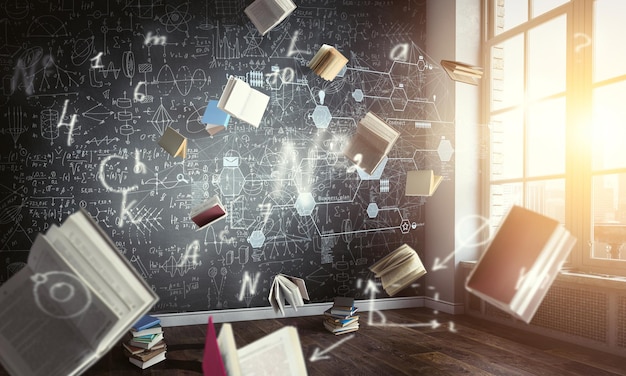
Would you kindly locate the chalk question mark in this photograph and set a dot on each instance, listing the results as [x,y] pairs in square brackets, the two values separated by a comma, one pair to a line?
[583,45]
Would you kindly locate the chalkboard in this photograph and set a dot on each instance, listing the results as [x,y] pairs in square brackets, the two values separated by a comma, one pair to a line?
[89,87]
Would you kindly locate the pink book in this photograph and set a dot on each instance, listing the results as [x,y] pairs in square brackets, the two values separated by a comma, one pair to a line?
[212,364]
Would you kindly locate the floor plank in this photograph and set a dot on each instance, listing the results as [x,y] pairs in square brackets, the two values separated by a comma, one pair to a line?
[396,342]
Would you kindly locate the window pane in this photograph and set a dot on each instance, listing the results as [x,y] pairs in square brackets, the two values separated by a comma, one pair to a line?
[507,74]
[547,197]
[507,145]
[609,29]
[609,216]
[545,151]
[547,58]
[541,6]
[609,127]
[510,13]
[503,196]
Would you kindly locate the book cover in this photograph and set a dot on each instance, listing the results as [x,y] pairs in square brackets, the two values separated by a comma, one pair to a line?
[145,322]
[215,119]
[148,331]
[516,270]
[174,143]
[421,183]
[208,212]
[212,364]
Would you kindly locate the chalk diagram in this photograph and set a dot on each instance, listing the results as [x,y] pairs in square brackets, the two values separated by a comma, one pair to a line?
[296,205]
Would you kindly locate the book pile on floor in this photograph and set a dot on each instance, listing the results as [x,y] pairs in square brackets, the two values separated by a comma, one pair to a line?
[146,346]
[341,318]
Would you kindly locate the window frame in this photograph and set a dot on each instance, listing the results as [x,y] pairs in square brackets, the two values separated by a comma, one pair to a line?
[579,87]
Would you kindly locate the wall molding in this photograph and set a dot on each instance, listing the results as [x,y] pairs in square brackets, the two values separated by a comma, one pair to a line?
[313,309]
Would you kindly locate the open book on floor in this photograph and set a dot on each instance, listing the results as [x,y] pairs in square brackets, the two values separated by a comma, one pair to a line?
[462,72]
[278,354]
[208,212]
[288,288]
[371,142]
[398,269]
[327,62]
[421,183]
[520,264]
[243,102]
[76,298]
[266,14]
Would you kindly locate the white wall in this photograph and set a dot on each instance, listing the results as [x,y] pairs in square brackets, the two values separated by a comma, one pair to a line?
[453,32]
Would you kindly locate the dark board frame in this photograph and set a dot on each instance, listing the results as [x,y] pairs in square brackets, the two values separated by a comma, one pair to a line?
[116,73]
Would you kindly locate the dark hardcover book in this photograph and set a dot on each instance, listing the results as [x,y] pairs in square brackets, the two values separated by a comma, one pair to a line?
[146,322]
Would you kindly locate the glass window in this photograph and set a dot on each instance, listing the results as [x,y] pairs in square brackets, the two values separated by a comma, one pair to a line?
[609,28]
[547,197]
[507,145]
[609,216]
[546,138]
[609,127]
[511,13]
[540,7]
[507,77]
[546,58]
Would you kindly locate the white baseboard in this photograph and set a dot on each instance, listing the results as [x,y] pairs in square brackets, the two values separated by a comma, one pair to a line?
[261,313]
[443,306]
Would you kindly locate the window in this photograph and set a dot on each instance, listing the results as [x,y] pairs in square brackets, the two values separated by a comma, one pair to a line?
[555,81]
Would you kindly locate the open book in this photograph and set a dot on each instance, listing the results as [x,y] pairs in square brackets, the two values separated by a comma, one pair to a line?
[520,264]
[371,142]
[243,102]
[398,269]
[288,288]
[277,354]
[421,183]
[174,143]
[215,120]
[266,14]
[208,212]
[327,62]
[462,72]
[76,298]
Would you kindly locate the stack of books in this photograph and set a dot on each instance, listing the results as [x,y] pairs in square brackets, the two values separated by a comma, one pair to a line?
[146,346]
[341,318]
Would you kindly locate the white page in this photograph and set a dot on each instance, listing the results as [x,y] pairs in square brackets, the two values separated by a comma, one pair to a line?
[228,350]
[254,108]
[276,354]
[36,337]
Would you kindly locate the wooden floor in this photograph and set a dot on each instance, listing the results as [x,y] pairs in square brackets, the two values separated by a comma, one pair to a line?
[460,346]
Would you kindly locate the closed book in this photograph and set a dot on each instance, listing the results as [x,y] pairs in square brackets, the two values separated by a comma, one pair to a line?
[145,332]
[145,322]
[139,342]
[344,330]
[338,316]
[342,323]
[148,354]
[149,363]
[134,350]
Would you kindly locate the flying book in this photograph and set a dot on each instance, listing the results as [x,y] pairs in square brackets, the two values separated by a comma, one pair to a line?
[327,62]
[266,14]
[215,119]
[212,361]
[208,212]
[520,263]
[174,143]
[277,354]
[288,288]
[398,269]
[462,72]
[243,102]
[77,297]
[371,142]
[421,183]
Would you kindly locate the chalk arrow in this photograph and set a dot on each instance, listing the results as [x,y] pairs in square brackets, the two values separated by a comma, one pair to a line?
[319,355]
